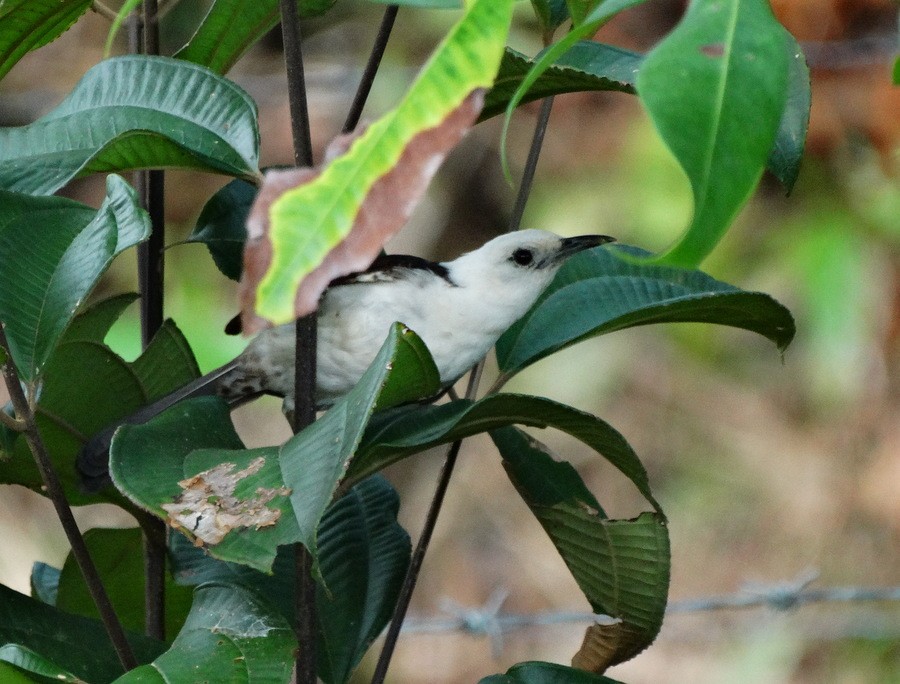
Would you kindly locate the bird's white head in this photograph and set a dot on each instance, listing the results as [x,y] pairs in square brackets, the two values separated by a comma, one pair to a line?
[505,276]
[526,260]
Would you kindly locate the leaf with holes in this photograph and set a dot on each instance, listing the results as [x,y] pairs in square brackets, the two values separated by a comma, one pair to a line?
[364,554]
[243,504]
[135,112]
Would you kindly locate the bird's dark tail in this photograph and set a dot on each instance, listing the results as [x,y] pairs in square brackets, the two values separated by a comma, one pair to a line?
[93,460]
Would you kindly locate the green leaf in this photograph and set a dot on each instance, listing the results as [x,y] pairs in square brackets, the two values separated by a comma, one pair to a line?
[784,158]
[597,16]
[85,387]
[597,292]
[135,112]
[125,10]
[93,325]
[715,89]
[425,4]
[315,460]
[193,448]
[39,668]
[222,226]
[583,67]
[363,555]
[551,14]
[118,555]
[622,566]
[231,27]
[230,636]
[535,672]
[72,643]
[308,221]
[26,25]
[54,251]
[395,435]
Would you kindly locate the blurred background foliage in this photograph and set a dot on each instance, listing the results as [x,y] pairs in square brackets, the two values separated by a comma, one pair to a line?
[767,467]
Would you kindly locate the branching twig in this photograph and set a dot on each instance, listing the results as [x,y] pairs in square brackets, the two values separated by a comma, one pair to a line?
[103,10]
[55,492]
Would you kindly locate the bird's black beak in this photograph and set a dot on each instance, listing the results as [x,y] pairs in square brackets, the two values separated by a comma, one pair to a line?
[579,243]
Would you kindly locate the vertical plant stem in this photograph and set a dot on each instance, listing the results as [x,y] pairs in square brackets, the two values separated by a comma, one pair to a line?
[305,348]
[368,76]
[55,491]
[534,153]
[418,556]
[144,38]
[415,565]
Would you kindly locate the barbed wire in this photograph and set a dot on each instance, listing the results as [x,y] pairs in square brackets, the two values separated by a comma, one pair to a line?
[489,621]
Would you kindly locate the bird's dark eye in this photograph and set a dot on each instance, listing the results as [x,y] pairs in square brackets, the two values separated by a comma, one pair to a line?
[523,257]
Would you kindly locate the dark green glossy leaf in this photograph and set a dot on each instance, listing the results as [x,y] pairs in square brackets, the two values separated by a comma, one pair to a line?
[193,445]
[119,557]
[535,672]
[395,435]
[594,19]
[30,666]
[135,112]
[94,324]
[53,252]
[230,636]
[26,25]
[551,14]
[715,89]
[622,566]
[584,66]
[314,461]
[784,158]
[597,292]
[222,226]
[85,387]
[72,643]
[363,555]
[231,27]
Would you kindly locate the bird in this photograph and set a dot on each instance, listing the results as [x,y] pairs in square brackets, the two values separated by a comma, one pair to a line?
[458,308]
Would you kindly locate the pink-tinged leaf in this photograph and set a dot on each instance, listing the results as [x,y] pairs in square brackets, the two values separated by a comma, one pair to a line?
[385,209]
